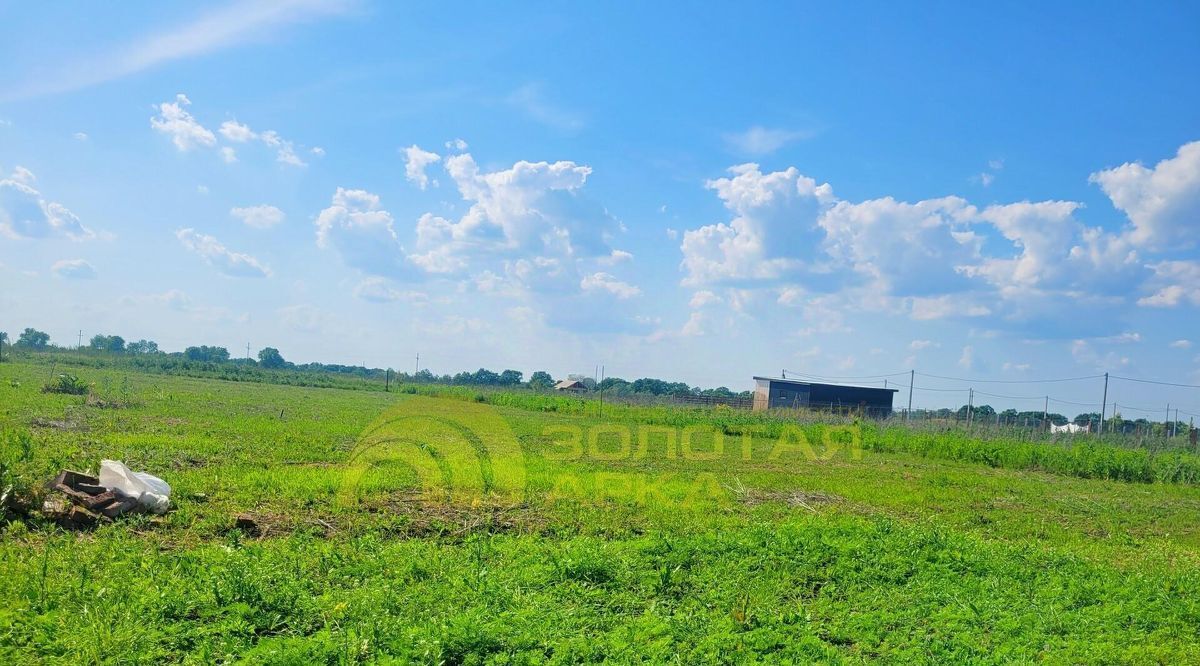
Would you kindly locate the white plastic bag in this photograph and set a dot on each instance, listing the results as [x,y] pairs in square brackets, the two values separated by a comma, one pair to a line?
[150,491]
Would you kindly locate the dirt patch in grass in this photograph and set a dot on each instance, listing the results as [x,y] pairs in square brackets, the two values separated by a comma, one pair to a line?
[794,498]
[188,462]
[106,403]
[425,518]
[66,424]
[399,515]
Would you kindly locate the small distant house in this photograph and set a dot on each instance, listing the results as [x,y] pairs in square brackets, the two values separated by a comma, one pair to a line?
[1070,428]
[571,385]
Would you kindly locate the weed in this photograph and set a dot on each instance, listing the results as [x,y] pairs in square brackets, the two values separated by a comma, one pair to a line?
[67,384]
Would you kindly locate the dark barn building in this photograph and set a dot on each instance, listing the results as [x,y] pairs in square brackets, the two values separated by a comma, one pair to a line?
[772,393]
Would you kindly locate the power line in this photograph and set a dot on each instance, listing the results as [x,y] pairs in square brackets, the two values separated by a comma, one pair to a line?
[805,374]
[1151,381]
[1077,404]
[1011,381]
[1012,397]
[942,390]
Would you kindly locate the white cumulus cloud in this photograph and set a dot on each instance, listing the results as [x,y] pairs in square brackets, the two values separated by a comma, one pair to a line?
[610,284]
[259,217]
[1174,283]
[233,264]
[381,290]
[363,233]
[1163,203]
[237,132]
[25,213]
[773,234]
[416,161]
[185,131]
[73,269]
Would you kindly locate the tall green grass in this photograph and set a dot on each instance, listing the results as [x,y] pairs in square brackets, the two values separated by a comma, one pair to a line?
[1080,456]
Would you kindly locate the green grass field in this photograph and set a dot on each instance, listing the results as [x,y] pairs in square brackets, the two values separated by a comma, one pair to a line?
[438,526]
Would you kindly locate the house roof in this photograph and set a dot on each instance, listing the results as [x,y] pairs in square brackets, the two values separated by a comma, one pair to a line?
[779,380]
[570,384]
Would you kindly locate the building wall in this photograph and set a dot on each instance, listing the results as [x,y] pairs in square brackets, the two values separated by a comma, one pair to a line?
[788,396]
[852,396]
[774,394]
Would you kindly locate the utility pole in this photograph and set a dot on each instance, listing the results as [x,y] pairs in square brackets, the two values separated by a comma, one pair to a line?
[387,380]
[1167,423]
[79,345]
[600,385]
[1104,403]
[970,405]
[912,374]
[247,350]
[1175,423]
[418,363]
[1046,412]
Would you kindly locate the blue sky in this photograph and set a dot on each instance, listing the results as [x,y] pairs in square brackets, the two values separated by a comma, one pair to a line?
[997,193]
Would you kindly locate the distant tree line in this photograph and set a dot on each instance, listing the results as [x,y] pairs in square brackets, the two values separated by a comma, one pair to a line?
[270,358]
[1113,423]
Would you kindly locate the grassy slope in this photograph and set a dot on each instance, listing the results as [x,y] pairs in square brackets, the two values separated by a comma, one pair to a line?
[895,555]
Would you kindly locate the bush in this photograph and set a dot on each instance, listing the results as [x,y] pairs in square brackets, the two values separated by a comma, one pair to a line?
[68,384]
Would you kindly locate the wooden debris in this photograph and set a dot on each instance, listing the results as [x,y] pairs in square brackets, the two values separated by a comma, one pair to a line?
[90,500]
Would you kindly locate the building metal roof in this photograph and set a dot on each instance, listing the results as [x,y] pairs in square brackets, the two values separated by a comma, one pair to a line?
[798,382]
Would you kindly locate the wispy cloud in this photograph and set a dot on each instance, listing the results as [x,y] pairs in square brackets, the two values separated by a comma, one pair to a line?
[73,269]
[233,264]
[763,140]
[235,23]
[986,178]
[531,100]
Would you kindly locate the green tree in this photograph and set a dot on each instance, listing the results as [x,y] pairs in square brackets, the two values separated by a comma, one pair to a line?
[540,380]
[270,357]
[510,377]
[424,377]
[31,338]
[485,377]
[615,385]
[977,412]
[206,353]
[142,347]
[113,344]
